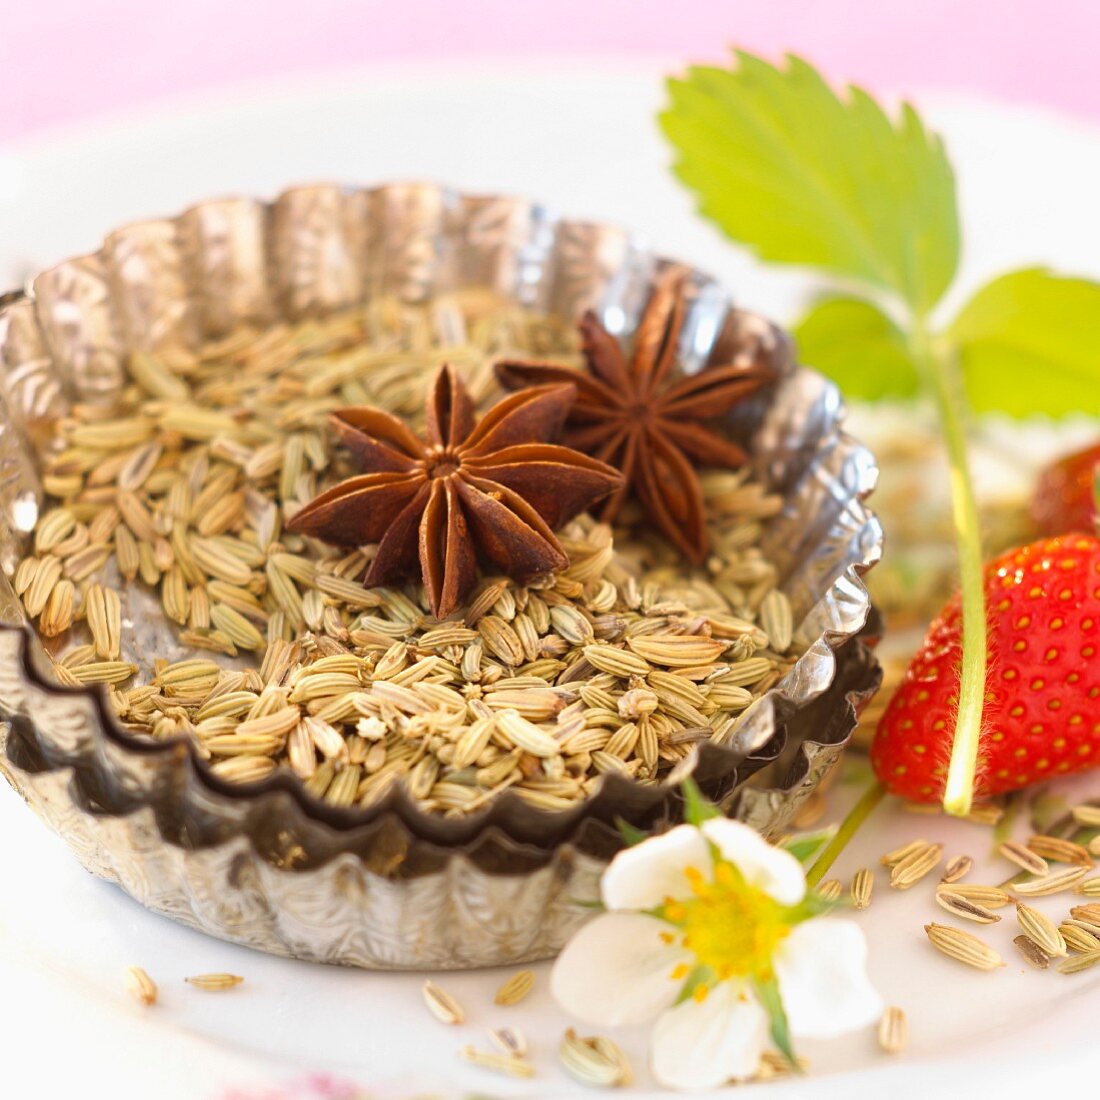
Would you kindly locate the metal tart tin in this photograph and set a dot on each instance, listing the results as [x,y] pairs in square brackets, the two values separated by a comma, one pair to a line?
[392,887]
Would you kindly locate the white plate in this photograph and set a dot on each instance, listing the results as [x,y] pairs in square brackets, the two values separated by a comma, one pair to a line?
[581,138]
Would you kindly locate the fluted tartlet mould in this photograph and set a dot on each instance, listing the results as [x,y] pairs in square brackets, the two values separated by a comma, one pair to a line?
[392,886]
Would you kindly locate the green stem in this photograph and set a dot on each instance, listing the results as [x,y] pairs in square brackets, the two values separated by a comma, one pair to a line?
[1002,831]
[940,371]
[856,817]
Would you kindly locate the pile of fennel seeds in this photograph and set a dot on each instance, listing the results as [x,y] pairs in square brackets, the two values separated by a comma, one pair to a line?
[623,662]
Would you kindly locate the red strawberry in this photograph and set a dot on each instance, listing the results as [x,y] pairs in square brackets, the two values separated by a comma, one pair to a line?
[1065,494]
[1042,707]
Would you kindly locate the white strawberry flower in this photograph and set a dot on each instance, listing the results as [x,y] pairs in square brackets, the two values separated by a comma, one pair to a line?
[711,932]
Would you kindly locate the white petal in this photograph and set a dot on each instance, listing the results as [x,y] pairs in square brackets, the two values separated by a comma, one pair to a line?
[703,1045]
[822,972]
[643,876]
[774,870]
[617,970]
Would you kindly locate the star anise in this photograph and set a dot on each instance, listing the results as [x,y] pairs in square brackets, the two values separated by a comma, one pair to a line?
[494,489]
[648,421]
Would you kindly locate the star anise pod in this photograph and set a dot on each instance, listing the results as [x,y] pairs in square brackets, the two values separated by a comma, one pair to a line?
[495,489]
[642,417]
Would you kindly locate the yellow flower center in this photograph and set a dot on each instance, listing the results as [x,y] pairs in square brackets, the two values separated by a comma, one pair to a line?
[731,927]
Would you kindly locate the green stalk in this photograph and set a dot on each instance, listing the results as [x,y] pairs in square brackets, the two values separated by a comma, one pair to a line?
[940,371]
[856,817]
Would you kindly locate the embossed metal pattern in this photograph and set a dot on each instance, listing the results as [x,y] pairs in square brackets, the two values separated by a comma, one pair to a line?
[391,886]
[29,385]
[74,311]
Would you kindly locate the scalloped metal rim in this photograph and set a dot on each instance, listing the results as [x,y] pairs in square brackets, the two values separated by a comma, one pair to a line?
[350,912]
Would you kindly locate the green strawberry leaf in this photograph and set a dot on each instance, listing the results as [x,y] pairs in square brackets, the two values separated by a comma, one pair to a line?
[859,348]
[1029,342]
[801,176]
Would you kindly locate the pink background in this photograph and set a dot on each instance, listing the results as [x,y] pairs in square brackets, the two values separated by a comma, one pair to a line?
[63,61]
